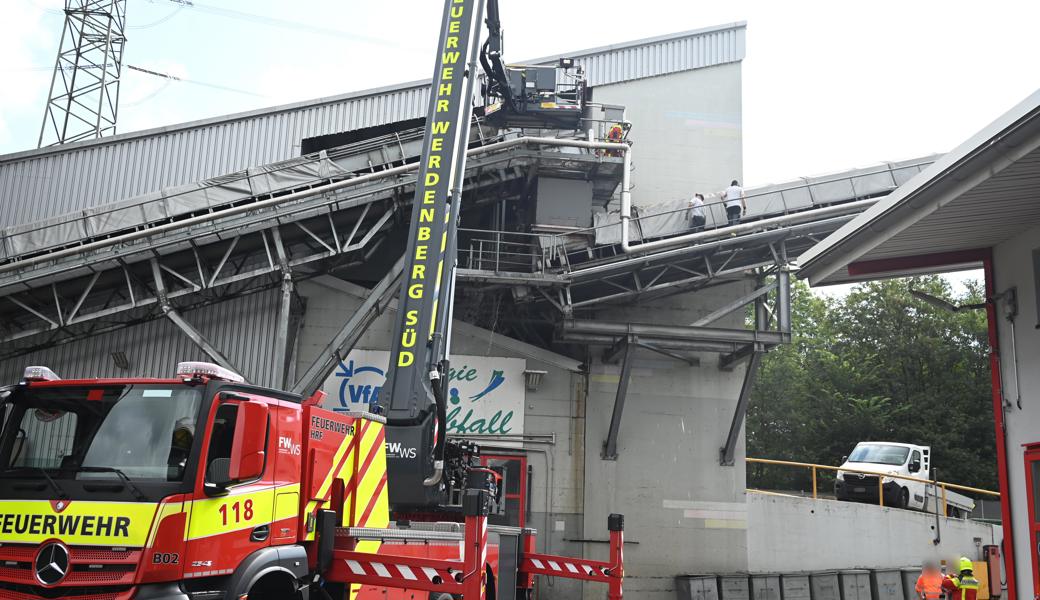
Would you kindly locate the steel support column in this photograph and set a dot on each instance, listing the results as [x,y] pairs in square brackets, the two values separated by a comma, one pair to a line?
[610,444]
[281,344]
[193,334]
[783,300]
[727,450]
[281,339]
[351,331]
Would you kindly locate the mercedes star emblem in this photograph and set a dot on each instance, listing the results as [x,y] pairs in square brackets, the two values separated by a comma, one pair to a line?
[52,564]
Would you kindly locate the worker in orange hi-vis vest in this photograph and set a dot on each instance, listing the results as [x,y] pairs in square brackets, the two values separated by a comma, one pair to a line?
[962,586]
[929,583]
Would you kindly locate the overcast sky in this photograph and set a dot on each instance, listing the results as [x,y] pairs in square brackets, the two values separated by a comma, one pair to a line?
[828,85]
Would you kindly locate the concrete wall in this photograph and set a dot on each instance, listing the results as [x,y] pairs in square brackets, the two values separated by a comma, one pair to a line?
[798,534]
[687,131]
[684,512]
[1013,267]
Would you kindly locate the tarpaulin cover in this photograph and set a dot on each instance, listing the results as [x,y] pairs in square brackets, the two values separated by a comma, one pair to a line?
[169,202]
[649,222]
[20,239]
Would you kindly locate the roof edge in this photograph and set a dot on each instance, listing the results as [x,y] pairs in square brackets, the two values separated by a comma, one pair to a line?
[271,110]
[848,243]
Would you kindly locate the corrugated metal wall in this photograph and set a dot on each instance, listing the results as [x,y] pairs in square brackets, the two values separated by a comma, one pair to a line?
[44,185]
[669,55]
[243,328]
[39,184]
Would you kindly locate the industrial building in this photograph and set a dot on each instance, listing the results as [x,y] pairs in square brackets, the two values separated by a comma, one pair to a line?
[602,379]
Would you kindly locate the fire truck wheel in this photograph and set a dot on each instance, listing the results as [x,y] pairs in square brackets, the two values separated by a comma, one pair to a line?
[275,586]
[442,596]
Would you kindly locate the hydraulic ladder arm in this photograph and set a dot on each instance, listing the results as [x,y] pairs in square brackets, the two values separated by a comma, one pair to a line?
[413,398]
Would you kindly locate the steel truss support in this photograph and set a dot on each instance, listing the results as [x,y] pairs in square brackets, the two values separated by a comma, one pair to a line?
[729,447]
[610,444]
[281,338]
[193,334]
[754,296]
[352,330]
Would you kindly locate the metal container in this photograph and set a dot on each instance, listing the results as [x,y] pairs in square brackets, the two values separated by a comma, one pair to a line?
[765,587]
[909,576]
[855,585]
[696,587]
[735,587]
[886,585]
[795,587]
[824,586]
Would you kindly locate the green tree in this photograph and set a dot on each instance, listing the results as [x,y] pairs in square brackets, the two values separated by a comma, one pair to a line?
[877,364]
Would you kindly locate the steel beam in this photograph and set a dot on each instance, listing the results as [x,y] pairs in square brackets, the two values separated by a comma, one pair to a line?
[281,339]
[729,447]
[675,332]
[783,300]
[680,345]
[692,361]
[281,345]
[732,306]
[617,349]
[610,444]
[193,334]
[348,335]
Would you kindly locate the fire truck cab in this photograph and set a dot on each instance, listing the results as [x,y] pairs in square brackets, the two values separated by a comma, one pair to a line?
[198,487]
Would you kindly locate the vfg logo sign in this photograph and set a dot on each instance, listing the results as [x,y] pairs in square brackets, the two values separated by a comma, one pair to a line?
[360,383]
[485,393]
[286,445]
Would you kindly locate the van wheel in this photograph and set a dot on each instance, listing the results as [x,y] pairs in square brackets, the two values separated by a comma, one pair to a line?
[904,498]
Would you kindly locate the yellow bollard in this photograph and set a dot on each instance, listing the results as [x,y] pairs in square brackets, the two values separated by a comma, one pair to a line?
[814,483]
[880,492]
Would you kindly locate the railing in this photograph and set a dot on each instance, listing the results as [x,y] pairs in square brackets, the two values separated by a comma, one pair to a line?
[212,195]
[814,468]
[500,251]
[563,249]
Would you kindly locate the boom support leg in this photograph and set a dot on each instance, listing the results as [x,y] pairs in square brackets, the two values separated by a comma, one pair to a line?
[475,508]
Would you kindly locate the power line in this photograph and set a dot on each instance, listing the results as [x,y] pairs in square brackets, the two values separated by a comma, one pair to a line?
[192,81]
[166,76]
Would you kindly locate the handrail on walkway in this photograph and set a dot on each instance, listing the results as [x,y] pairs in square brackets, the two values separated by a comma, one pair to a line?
[814,467]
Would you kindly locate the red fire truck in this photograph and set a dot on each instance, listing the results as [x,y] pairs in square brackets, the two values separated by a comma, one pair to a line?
[201,487]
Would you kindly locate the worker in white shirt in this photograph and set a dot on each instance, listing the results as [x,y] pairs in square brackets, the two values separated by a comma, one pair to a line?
[736,203]
[697,212]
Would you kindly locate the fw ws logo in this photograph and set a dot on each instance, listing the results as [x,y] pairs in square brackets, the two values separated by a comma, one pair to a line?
[399,450]
[286,445]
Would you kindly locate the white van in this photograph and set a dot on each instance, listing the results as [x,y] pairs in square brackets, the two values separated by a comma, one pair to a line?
[895,458]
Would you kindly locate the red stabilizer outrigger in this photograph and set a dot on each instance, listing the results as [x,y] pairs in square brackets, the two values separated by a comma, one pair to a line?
[468,577]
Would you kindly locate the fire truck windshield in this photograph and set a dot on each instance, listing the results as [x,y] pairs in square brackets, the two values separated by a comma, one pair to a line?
[139,432]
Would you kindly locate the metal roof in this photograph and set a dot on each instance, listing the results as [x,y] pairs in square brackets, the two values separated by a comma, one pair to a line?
[36,184]
[982,193]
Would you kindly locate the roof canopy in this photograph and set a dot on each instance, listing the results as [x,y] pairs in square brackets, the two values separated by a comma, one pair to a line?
[984,192]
